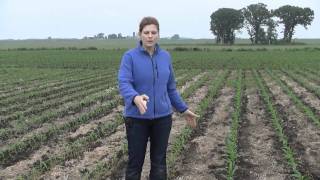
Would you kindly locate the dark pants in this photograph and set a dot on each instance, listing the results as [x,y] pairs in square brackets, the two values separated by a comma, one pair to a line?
[138,132]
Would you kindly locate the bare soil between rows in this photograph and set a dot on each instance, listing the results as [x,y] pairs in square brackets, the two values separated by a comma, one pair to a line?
[303,135]
[204,157]
[260,155]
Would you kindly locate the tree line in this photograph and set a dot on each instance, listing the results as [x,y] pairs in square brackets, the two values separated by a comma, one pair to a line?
[109,36]
[120,36]
[259,22]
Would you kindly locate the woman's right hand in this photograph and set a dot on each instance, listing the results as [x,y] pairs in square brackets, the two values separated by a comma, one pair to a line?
[141,103]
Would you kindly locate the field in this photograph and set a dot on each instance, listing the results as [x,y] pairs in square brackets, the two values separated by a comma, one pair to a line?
[259,107]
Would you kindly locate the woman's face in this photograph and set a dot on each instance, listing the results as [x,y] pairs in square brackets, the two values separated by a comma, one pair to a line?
[149,36]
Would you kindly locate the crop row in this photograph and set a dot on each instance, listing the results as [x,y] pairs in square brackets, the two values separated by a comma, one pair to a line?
[278,126]
[79,146]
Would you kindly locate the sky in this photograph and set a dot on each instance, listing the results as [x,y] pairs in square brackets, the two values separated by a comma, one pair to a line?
[38,19]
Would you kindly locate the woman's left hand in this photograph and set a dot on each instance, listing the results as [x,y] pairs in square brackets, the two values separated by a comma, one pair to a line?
[191,118]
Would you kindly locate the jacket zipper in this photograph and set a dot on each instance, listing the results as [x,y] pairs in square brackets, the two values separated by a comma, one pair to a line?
[154,81]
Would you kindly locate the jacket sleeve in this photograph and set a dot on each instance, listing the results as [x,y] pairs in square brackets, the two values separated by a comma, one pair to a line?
[175,98]
[125,79]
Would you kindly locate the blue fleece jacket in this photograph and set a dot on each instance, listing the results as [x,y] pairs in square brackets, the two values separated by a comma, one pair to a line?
[140,73]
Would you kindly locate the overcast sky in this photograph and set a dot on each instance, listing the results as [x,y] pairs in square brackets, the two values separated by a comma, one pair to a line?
[24,19]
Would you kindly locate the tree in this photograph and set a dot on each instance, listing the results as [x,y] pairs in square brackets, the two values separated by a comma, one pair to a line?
[224,22]
[256,15]
[100,36]
[272,31]
[262,36]
[175,37]
[291,16]
[112,36]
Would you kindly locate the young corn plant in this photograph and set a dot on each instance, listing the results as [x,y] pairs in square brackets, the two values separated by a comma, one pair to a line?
[303,82]
[35,141]
[277,124]
[308,111]
[76,148]
[99,172]
[180,141]
[36,121]
[232,139]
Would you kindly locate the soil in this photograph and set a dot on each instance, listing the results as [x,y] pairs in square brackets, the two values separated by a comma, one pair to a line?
[205,158]
[104,151]
[260,156]
[55,147]
[177,125]
[303,135]
[307,97]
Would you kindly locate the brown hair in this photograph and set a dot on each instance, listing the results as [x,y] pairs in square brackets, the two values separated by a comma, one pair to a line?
[147,21]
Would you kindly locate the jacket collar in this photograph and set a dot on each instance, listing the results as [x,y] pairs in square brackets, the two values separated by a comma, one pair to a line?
[141,48]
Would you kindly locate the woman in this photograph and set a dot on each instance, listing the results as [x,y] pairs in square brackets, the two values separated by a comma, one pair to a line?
[147,84]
